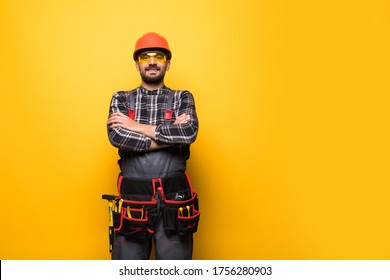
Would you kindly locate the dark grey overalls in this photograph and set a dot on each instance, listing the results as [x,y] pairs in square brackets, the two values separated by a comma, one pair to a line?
[156,203]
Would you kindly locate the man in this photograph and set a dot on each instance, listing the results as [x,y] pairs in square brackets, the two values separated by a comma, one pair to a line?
[153,127]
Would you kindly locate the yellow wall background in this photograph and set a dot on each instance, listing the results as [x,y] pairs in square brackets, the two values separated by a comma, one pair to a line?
[292,158]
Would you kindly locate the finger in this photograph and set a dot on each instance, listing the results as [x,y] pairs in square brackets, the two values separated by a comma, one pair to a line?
[182,117]
[185,118]
[117,114]
[115,125]
[114,120]
[181,121]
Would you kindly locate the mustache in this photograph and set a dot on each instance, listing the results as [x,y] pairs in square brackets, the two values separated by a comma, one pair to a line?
[152,67]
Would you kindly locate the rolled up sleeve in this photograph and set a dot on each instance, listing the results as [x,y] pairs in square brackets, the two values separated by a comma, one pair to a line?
[123,138]
[181,134]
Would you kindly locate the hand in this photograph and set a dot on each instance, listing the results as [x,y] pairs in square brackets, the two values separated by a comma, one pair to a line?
[183,118]
[120,120]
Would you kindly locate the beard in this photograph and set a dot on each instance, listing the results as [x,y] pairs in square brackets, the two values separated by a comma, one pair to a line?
[153,79]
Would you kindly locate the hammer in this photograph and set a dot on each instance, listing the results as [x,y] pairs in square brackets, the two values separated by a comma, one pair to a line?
[111,201]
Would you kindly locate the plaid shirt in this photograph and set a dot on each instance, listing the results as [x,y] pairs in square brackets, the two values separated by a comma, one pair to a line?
[150,107]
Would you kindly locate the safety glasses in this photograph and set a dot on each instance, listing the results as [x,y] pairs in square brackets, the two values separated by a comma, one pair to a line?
[157,57]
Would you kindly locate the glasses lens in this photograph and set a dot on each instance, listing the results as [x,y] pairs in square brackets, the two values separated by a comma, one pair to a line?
[157,57]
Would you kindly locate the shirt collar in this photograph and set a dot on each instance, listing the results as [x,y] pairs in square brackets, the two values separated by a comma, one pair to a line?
[158,91]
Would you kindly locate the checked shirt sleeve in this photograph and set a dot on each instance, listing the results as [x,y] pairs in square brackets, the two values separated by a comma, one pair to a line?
[123,138]
[180,134]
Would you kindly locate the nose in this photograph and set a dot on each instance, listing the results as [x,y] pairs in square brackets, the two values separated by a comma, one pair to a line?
[151,60]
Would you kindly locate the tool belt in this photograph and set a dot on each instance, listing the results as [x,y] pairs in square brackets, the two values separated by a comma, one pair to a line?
[140,202]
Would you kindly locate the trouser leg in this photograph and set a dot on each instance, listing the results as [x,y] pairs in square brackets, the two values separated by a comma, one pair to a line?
[172,247]
[125,249]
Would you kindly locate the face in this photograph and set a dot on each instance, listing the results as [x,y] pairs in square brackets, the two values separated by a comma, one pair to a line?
[152,66]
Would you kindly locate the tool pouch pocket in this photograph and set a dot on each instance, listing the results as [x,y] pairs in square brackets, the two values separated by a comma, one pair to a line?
[136,219]
[136,226]
[182,217]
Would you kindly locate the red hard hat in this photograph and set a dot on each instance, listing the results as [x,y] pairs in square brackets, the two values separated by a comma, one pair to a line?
[153,41]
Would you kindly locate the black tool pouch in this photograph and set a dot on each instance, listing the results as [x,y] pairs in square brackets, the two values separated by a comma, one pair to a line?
[182,217]
[180,205]
[136,218]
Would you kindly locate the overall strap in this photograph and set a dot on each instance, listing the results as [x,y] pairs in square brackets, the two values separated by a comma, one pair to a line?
[169,112]
[130,98]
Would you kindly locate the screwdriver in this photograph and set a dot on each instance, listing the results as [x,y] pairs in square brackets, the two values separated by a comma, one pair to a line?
[128,212]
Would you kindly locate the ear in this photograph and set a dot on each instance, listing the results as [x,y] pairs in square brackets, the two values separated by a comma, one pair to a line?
[168,64]
[137,65]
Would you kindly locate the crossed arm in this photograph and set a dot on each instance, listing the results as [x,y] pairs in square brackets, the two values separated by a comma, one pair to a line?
[120,120]
[127,134]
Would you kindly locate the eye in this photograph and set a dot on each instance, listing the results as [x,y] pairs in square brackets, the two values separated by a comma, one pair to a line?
[160,58]
[143,58]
